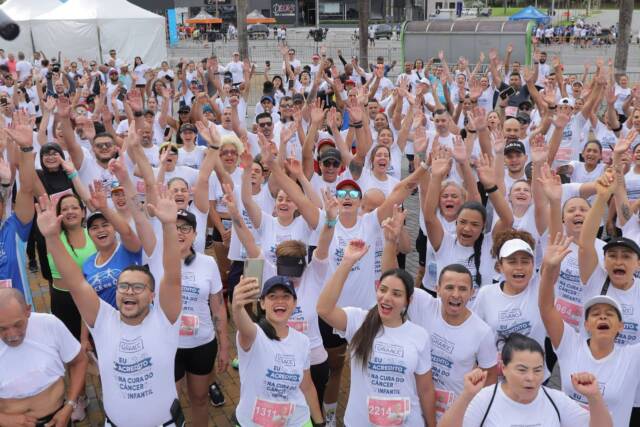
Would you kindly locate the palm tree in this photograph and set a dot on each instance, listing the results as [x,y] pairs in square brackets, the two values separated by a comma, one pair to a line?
[363,15]
[241,25]
[624,33]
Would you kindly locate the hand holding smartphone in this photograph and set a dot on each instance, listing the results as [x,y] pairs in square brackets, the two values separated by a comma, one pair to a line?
[253,267]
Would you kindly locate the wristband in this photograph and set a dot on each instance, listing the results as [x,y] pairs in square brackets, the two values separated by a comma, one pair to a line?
[6,185]
[27,149]
[137,114]
[491,190]
[553,108]
[330,223]
[214,147]
[71,403]
[424,166]
[470,131]
[72,174]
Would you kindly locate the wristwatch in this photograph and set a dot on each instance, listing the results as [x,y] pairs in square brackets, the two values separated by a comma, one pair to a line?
[72,403]
[27,149]
[138,114]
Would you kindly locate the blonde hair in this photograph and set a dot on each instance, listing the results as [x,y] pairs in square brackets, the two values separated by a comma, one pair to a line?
[293,248]
[232,140]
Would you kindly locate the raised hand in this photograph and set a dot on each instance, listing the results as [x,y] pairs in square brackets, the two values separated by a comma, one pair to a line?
[49,105]
[392,226]
[557,250]
[550,182]
[135,100]
[246,292]
[459,150]
[606,184]
[294,167]
[624,142]
[485,171]
[5,171]
[356,113]
[478,118]
[230,200]
[20,130]
[48,221]
[440,161]
[98,195]
[331,204]
[317,112]
[287,132]
[474,381]
[586,384]
[560,120]
[355,250]
[166,209]
[499,141]
[539,149]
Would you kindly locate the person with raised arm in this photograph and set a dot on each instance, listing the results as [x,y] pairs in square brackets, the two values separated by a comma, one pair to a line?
[136,344]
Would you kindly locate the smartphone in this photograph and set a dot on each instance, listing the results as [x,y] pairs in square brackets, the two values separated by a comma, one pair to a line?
[122,94]
[268,63]
[253,268]
[507,92]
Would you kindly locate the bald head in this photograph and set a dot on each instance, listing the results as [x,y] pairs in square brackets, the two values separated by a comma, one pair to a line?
[372,199]
[9,296]
[14,317]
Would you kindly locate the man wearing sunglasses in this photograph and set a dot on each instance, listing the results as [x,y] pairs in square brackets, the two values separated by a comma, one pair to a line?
[137,342]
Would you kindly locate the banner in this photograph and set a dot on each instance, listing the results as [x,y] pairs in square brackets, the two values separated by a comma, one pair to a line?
[284,11]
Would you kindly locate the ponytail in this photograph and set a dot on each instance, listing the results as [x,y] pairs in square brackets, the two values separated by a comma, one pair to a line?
[477,255]
[362,342]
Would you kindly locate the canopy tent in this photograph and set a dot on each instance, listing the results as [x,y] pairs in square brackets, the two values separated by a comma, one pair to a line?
[89,28]
[203,18]
[22,11]
[530,13]
[255,17]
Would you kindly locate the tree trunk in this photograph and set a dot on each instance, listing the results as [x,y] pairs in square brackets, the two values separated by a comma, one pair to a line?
[624,32]
[363,15]
[241,25]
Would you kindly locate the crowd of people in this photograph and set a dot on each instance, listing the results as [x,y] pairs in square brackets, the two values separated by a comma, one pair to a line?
[577,34]
[156,201]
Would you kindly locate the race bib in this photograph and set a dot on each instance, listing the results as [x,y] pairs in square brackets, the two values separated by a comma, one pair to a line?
[444,399]
[384,412]
[267,413]
[570,312]
[564,154]
[57,196]
[189,324]
[226,223]
[6,283]
[299,325]
[141,188]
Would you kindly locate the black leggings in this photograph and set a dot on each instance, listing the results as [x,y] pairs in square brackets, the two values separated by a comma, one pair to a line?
[63,307]
[634,421]
[320,376]
[37,243]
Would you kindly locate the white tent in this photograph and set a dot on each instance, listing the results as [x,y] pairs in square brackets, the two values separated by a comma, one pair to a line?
[90,28]
[22,11]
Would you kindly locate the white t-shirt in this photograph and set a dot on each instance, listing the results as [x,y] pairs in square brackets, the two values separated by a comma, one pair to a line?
[539,413]
[369,181]
[455,350]
[200,279]
[621,96]
[265,201]
[580,173]
[272,233]
[632,183]
[136,366]
[506,314]
[397,356]
[270,376]
[193,158]
[360,286]
[23,68]
[91,171]
[612,371]
[39,360]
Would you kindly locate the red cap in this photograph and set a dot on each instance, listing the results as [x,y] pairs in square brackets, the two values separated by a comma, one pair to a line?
[325,141]
[348,183]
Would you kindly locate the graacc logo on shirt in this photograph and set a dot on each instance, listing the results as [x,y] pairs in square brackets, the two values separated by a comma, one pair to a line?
[286,360]
[442,343]
[390,349]
[131,346]
[506,315]
[627,309]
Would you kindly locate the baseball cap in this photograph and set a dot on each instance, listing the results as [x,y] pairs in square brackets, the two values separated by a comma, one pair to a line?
[622,242]
[188,217]
[298,97]
[267,98]
[512,246]
[168,146]
[116,186]
[113,71]
[94,216]
[514,146]
[577,82]
[325,141]
[425,81]
[567,101]
[207,109]
[188,127]
[523,118]
[275,281]
[602,299]
[348,183]
[349,82]
[290,266]
[525,103]
[331,153]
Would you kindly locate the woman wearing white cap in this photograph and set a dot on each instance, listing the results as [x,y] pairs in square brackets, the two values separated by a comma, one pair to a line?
[599,354]
[510,306]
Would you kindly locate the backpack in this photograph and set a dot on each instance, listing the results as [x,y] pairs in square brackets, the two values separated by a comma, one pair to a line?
[493,395]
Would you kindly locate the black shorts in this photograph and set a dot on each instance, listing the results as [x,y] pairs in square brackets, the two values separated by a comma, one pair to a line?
[196,361]
[329,339]
[421,247]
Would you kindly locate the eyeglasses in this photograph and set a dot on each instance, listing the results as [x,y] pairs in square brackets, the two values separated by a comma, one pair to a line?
[136,288]
[228,153]
[286,105]
[103,145]
[353,194]
[265,124]
[331,163]
[185,228]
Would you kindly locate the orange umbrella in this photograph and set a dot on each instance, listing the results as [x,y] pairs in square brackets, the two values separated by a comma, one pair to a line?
[261,20]
[203,21]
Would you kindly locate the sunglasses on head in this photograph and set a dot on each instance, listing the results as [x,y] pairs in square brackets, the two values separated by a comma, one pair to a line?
[329,163]
[353,194]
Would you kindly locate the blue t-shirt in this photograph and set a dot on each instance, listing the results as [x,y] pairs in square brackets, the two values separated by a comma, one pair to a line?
[104,277]
[13,235]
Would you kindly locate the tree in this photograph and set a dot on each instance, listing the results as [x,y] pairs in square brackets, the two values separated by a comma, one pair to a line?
[624,32]
[363,15]
[241,25]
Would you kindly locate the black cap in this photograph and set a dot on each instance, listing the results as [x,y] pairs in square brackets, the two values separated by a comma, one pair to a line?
[51,146]
[514,146]
[526,102]
[184,109]
[298,97]
[331,153]
[622,242]
[281,281]
[290,266]
[187,216]
[523,117]
[94,216]
[188,127]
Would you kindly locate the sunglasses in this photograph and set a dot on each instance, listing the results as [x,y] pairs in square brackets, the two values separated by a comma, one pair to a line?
[229,153]
[103,145]
[265,124]
[185,228]
[525,108]
[286,105]
[331,163]
[353,194]
[137,288]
